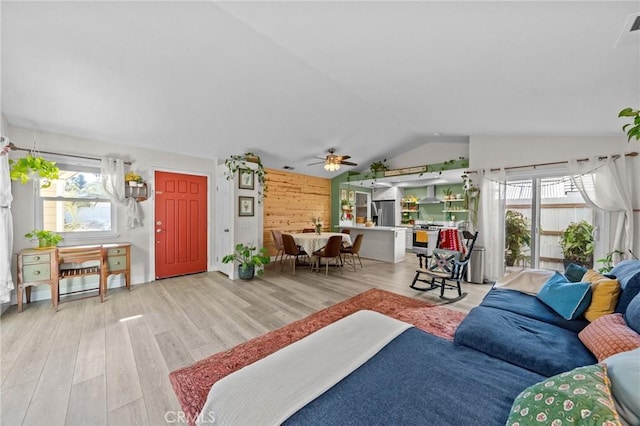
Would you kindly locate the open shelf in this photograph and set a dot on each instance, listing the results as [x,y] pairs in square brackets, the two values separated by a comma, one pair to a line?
[139,192]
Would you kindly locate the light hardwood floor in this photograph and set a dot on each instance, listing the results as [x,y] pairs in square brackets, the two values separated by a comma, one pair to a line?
[85,365]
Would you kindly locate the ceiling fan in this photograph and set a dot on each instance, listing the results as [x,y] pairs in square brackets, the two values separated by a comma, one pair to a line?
[332,162]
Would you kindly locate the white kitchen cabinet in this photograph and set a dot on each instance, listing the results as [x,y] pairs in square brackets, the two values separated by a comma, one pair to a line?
[409,239]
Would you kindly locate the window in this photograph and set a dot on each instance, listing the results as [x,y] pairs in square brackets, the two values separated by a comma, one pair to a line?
[75,205]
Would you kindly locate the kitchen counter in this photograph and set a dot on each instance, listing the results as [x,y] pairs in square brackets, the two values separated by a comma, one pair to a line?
[385,243]
[375,228]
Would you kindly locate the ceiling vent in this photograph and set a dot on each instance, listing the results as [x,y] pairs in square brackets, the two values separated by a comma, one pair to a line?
[630,34]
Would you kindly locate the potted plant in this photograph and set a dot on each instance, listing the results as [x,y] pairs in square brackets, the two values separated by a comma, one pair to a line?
[238,162]
[317,224]
[248,259]
[448,193]
[45,238]
[376,167]
[26,168]
[517,236]
[632,129]
[608,262]
[577,243]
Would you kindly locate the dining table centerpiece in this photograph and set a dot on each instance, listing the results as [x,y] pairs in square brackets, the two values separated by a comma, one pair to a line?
[317,224]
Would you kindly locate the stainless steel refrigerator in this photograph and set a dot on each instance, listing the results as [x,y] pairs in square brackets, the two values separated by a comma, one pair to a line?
[384,212]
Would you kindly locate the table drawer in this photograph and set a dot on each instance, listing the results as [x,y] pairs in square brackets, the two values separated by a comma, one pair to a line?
[117,263]
[36,258]
[117,251]
[38,272]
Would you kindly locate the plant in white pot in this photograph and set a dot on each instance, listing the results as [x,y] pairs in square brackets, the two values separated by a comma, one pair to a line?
[248,259]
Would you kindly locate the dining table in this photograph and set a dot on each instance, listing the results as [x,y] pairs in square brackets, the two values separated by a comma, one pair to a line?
[311,242]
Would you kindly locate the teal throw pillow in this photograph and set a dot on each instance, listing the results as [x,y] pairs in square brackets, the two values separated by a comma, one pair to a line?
[569,300]
[574,272]
[581,396]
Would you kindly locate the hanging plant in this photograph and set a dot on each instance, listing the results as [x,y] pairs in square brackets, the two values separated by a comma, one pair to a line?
[26,168]
[632,129]
[471,199]
[377,167]
[239,162]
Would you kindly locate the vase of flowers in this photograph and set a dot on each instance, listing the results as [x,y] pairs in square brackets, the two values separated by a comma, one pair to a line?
[317,224]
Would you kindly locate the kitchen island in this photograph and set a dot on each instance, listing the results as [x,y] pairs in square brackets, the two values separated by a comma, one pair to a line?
[386,243]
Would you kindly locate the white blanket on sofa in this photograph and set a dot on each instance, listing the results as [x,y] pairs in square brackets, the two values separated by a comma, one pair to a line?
[270,390]
[528,281]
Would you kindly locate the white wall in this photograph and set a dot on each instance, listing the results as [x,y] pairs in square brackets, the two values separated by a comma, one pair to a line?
[145,162]
[507,151]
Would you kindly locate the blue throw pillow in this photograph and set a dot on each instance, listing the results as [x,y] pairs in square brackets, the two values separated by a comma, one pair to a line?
[568,299]
[574,273]
[632,315]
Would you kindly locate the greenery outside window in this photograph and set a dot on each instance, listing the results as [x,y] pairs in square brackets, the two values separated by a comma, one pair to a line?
[76,205]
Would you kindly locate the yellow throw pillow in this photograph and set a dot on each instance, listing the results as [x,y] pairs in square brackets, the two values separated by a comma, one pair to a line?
[604,295]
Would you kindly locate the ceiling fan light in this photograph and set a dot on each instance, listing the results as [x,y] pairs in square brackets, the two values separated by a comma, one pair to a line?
[331,166]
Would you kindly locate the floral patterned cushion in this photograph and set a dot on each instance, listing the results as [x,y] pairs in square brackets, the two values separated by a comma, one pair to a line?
[577,397]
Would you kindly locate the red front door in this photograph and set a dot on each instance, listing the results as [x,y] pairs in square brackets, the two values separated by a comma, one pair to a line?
[181,224]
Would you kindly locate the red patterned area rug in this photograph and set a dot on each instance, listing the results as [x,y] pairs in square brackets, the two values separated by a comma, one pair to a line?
[191,384]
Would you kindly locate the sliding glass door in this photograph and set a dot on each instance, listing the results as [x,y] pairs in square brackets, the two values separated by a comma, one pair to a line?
[537,210]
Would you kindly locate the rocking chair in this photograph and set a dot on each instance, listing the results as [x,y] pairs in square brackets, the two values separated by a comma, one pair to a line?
[446,268]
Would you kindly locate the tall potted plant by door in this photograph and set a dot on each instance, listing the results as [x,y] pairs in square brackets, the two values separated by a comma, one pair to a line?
[249,258]
[517,236]
[577,244]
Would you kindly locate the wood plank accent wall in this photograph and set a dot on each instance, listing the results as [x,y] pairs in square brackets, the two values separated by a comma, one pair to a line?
[291,200]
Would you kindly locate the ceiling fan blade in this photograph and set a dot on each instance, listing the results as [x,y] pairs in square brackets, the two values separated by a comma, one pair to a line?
[317,162]
[343,157]
[348,163]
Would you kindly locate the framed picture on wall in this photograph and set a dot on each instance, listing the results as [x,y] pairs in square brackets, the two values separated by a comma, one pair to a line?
[246,179]
[352,196]
[343,194]
[245,206]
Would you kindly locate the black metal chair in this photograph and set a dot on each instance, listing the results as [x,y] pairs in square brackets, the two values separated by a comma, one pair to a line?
[444,280]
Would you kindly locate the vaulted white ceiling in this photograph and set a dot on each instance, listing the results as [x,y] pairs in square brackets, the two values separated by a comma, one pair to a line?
[289,80]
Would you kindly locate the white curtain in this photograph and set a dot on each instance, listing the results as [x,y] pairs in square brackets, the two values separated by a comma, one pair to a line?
[607,185]
[6,226]
[491,222]
[112,170]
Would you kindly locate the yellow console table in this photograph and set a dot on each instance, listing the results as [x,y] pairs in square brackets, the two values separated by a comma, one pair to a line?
[43,266]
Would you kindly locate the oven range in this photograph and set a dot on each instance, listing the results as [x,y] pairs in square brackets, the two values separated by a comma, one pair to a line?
[420,246]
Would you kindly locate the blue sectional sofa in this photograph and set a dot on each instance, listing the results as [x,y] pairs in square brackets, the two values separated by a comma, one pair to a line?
[520,329]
